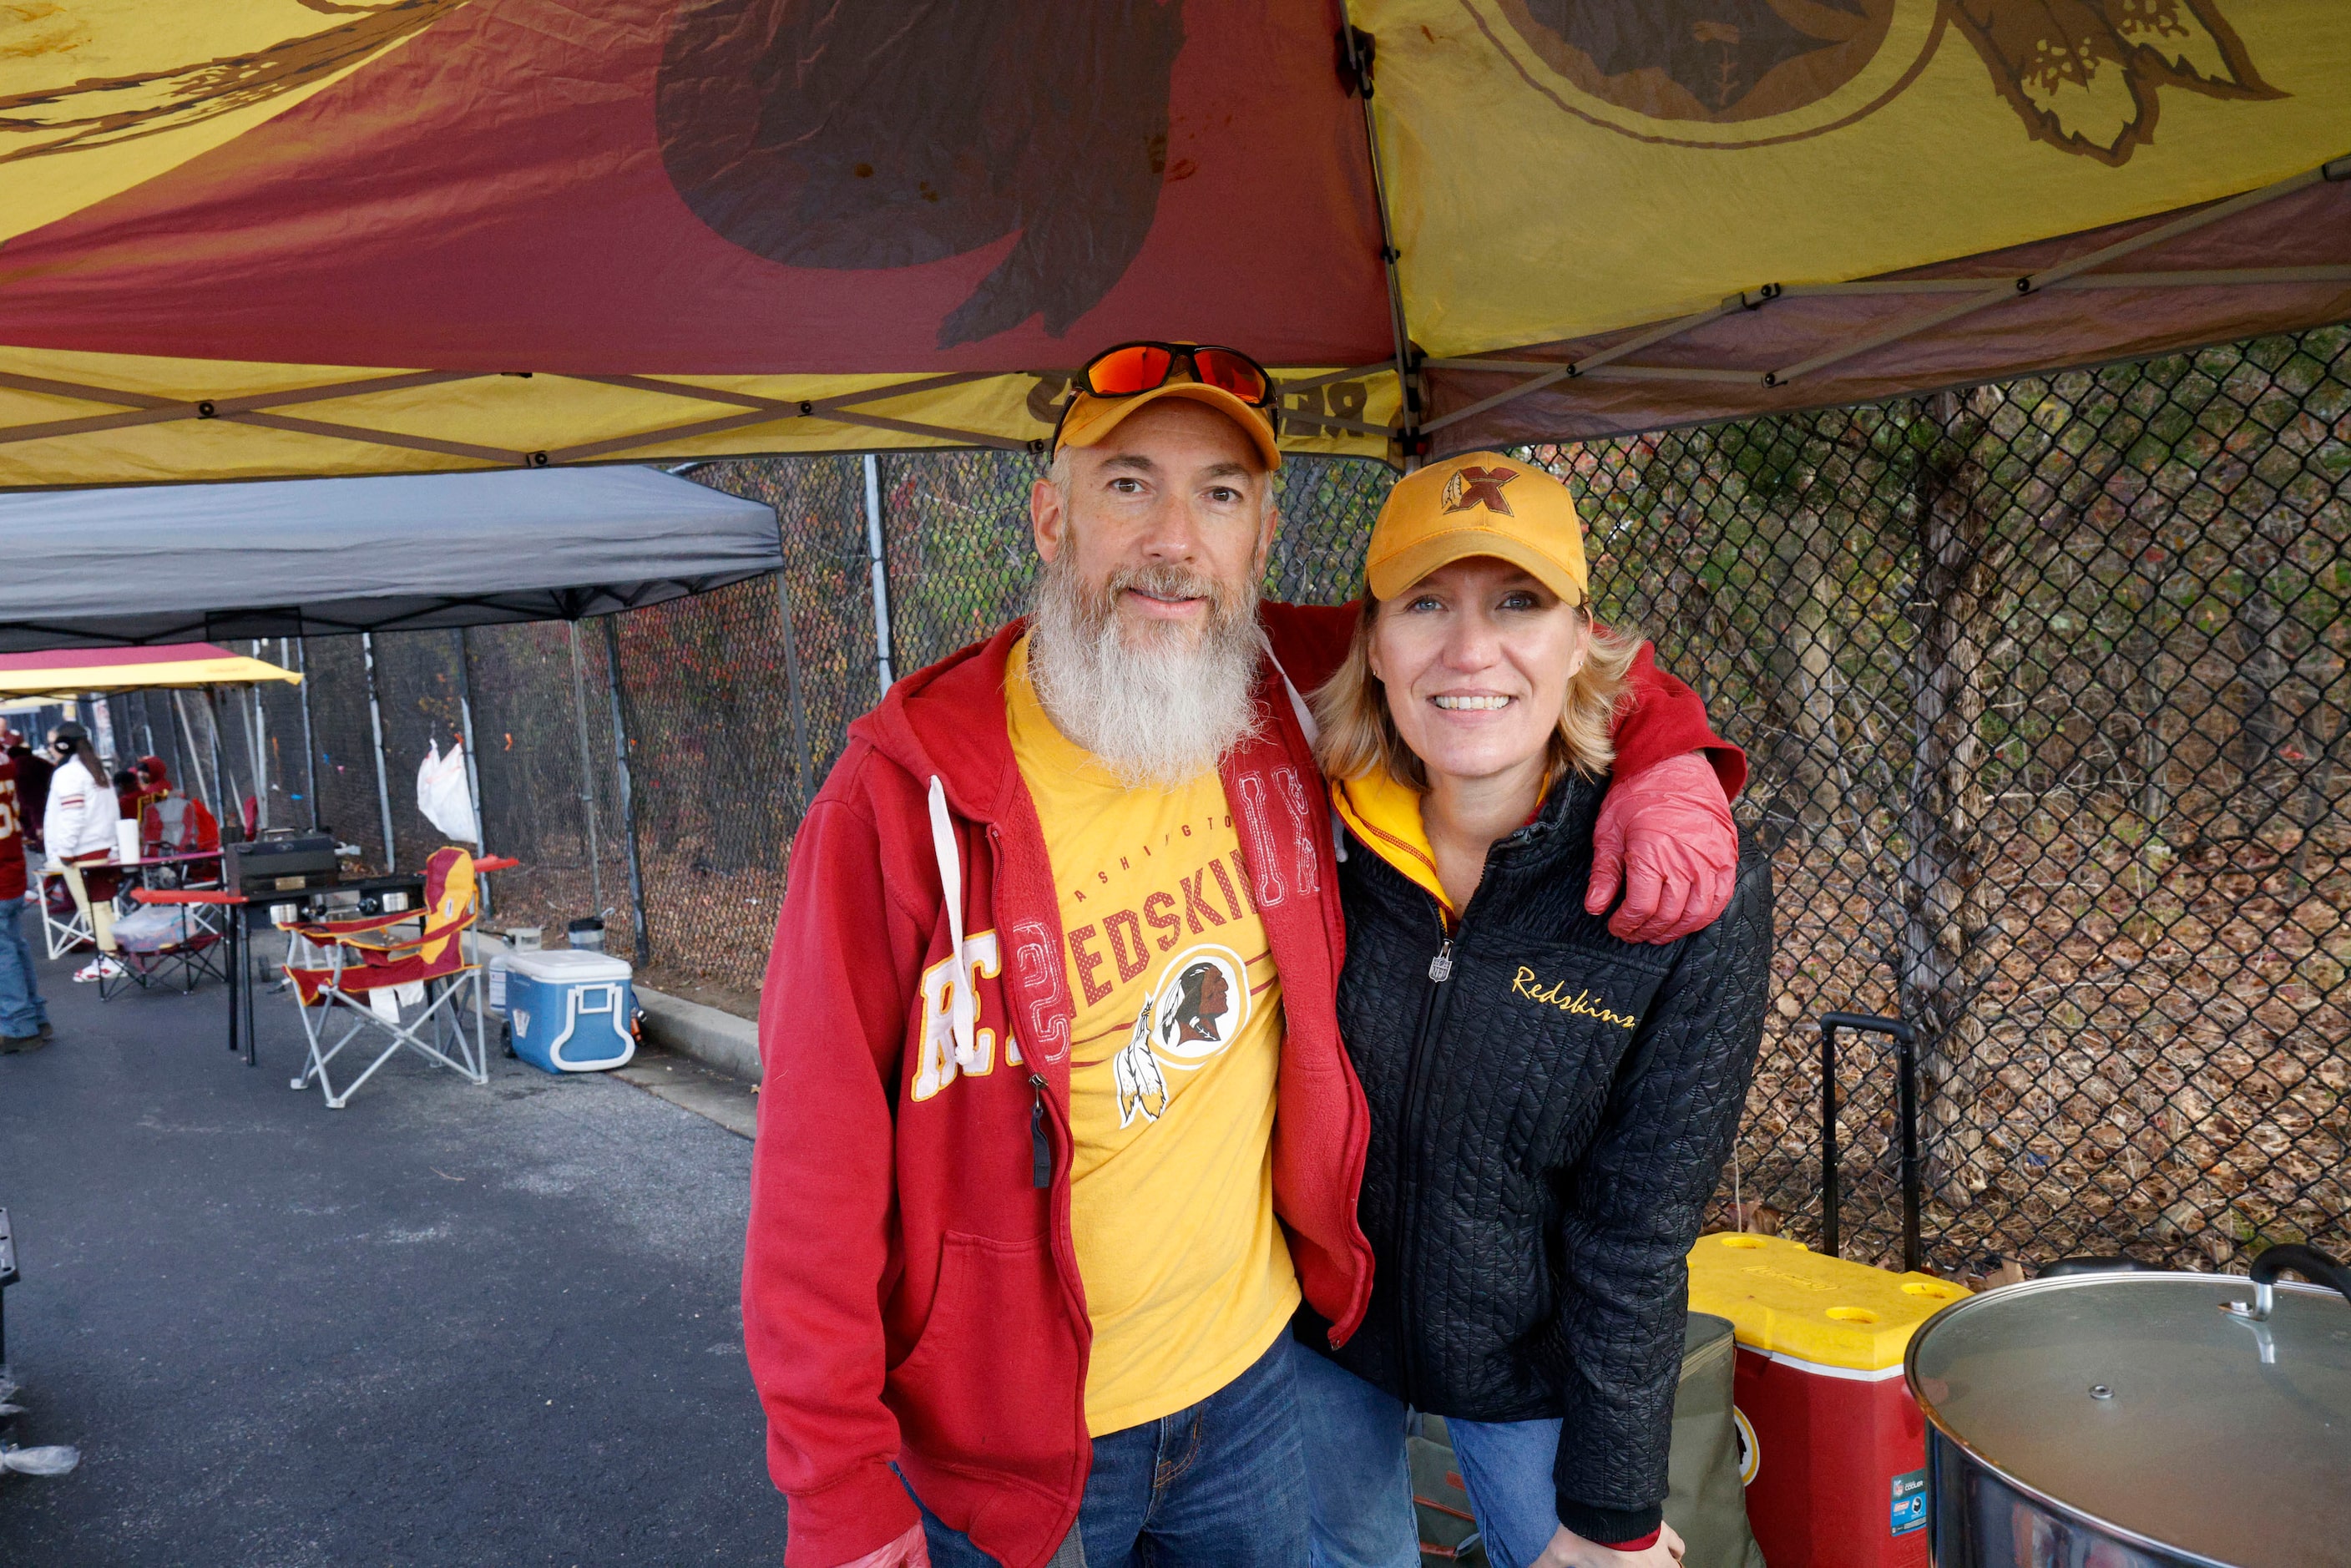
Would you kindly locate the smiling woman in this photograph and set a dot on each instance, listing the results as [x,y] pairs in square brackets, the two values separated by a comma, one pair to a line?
[1550,1102]
[1477,675]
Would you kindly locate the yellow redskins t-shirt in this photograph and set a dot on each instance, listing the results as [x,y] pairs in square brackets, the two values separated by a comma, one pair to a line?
[1174,1048]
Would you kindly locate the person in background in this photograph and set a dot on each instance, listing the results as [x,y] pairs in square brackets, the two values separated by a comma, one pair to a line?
[24,1017]
[155,784]
[79,825]
[33,771]
[1550,1104]
[171,823]
[126,794]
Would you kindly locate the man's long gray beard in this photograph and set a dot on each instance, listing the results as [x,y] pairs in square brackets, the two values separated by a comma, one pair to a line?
[1158,710]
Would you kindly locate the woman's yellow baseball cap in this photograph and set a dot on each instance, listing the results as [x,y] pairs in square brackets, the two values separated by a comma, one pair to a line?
[1478,503]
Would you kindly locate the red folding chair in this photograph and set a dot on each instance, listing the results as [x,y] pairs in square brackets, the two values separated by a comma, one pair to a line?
[375,969]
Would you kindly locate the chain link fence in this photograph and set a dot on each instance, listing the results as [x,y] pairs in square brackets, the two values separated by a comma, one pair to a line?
[2044,685]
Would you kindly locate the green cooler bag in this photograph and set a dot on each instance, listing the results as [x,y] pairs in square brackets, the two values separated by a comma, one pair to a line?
[1706,1502]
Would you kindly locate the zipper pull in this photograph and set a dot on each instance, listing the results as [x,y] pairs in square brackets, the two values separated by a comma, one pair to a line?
[1040,1147]
[1440,969]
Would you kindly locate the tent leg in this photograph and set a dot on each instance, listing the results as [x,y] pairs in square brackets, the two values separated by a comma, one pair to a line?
[383,779]
[309,744]
[628,794]
[473,773]
[260,752]
[192,771]
[232,815]
[587,771]
[881,570]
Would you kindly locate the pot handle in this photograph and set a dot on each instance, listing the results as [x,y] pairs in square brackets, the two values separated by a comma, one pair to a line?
[2307,1262]
[2064,1266]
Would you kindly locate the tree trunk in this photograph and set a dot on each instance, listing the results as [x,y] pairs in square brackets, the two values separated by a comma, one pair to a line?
[1944,953]
[1812,705]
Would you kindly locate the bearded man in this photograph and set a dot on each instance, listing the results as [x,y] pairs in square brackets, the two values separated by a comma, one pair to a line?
[995,1315]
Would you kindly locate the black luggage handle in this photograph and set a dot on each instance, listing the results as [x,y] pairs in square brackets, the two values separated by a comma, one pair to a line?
[1907,1095]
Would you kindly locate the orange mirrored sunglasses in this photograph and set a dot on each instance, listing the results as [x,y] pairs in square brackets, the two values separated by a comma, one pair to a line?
[1132,368]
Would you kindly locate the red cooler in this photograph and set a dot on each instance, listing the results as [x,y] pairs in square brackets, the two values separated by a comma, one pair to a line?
[1833,1449]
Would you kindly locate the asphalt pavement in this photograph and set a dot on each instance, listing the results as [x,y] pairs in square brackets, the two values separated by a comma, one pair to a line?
[449,1324]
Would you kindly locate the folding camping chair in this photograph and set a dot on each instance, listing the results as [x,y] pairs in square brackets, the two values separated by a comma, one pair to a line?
[366,967]
[92,921]
[66,930]
[152,940]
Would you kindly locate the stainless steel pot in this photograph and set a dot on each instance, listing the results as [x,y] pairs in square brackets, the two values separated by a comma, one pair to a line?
[2142,1419]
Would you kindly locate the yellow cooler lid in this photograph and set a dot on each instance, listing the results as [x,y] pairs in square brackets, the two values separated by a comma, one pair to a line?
[1786,1300]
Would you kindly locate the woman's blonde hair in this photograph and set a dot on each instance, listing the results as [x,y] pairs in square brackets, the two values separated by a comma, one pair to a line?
[1359,735]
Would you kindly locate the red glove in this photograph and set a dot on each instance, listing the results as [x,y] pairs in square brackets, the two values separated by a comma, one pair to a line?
[909,1551]
[1665,837]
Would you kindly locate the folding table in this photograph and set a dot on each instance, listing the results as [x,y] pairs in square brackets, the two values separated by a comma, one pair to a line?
[245,914]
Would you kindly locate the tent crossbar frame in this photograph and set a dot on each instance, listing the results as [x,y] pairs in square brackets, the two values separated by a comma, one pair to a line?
[1558,372]
[1979,293]
[261,410]
[256,409]
[2032,283]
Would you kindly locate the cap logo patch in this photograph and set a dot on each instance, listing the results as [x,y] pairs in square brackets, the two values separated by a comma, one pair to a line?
[1479,487]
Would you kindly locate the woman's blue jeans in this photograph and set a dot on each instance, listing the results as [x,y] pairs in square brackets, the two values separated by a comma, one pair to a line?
[1361,1479]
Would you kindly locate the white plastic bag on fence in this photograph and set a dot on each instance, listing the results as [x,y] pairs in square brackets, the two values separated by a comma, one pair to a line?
[442,794]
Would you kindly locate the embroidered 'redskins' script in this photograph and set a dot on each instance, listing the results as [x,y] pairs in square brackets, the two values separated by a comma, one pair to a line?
[1554,996]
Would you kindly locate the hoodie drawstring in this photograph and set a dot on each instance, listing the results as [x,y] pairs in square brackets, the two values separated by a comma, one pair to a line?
[963,1007]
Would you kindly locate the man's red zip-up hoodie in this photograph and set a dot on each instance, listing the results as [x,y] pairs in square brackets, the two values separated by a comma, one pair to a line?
[910,1285]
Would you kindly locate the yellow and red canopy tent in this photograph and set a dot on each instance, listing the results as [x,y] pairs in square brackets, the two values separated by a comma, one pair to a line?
[67,673]
[63,674]
[258,238]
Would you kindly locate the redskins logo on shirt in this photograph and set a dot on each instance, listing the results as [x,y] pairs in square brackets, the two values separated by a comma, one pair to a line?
[1200,1005]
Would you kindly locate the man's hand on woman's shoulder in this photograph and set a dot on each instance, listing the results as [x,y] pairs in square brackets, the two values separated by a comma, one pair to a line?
[1665,839]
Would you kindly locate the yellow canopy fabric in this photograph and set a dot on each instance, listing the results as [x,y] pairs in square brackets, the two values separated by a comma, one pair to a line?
[271,238]
[180,667]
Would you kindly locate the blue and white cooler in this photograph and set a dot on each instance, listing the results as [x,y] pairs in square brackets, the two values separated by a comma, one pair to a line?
[570,1009]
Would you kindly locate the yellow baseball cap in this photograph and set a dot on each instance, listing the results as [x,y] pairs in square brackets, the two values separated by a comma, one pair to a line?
[1091,419]
[1480,503]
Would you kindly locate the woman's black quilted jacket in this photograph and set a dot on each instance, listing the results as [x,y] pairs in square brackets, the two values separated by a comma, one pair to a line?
[1550,1115]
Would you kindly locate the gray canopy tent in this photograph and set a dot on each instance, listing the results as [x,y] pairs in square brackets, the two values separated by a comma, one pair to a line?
[164,564]
[316,557]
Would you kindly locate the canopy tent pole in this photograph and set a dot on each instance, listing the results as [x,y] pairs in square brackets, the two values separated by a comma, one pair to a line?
[1358,48]
[309,741]
[260,738]
[628,794]
[587,770]
[181,761]
[466,739]
[192,773]
[147,721]
[383,779]
[227,811]
[880,569]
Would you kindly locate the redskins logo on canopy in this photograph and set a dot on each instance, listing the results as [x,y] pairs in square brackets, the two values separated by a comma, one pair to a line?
[2083,75]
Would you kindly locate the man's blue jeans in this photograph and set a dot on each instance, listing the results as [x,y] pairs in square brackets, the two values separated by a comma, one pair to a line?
[1219,1485]
[21,1011]
[1362,1478]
